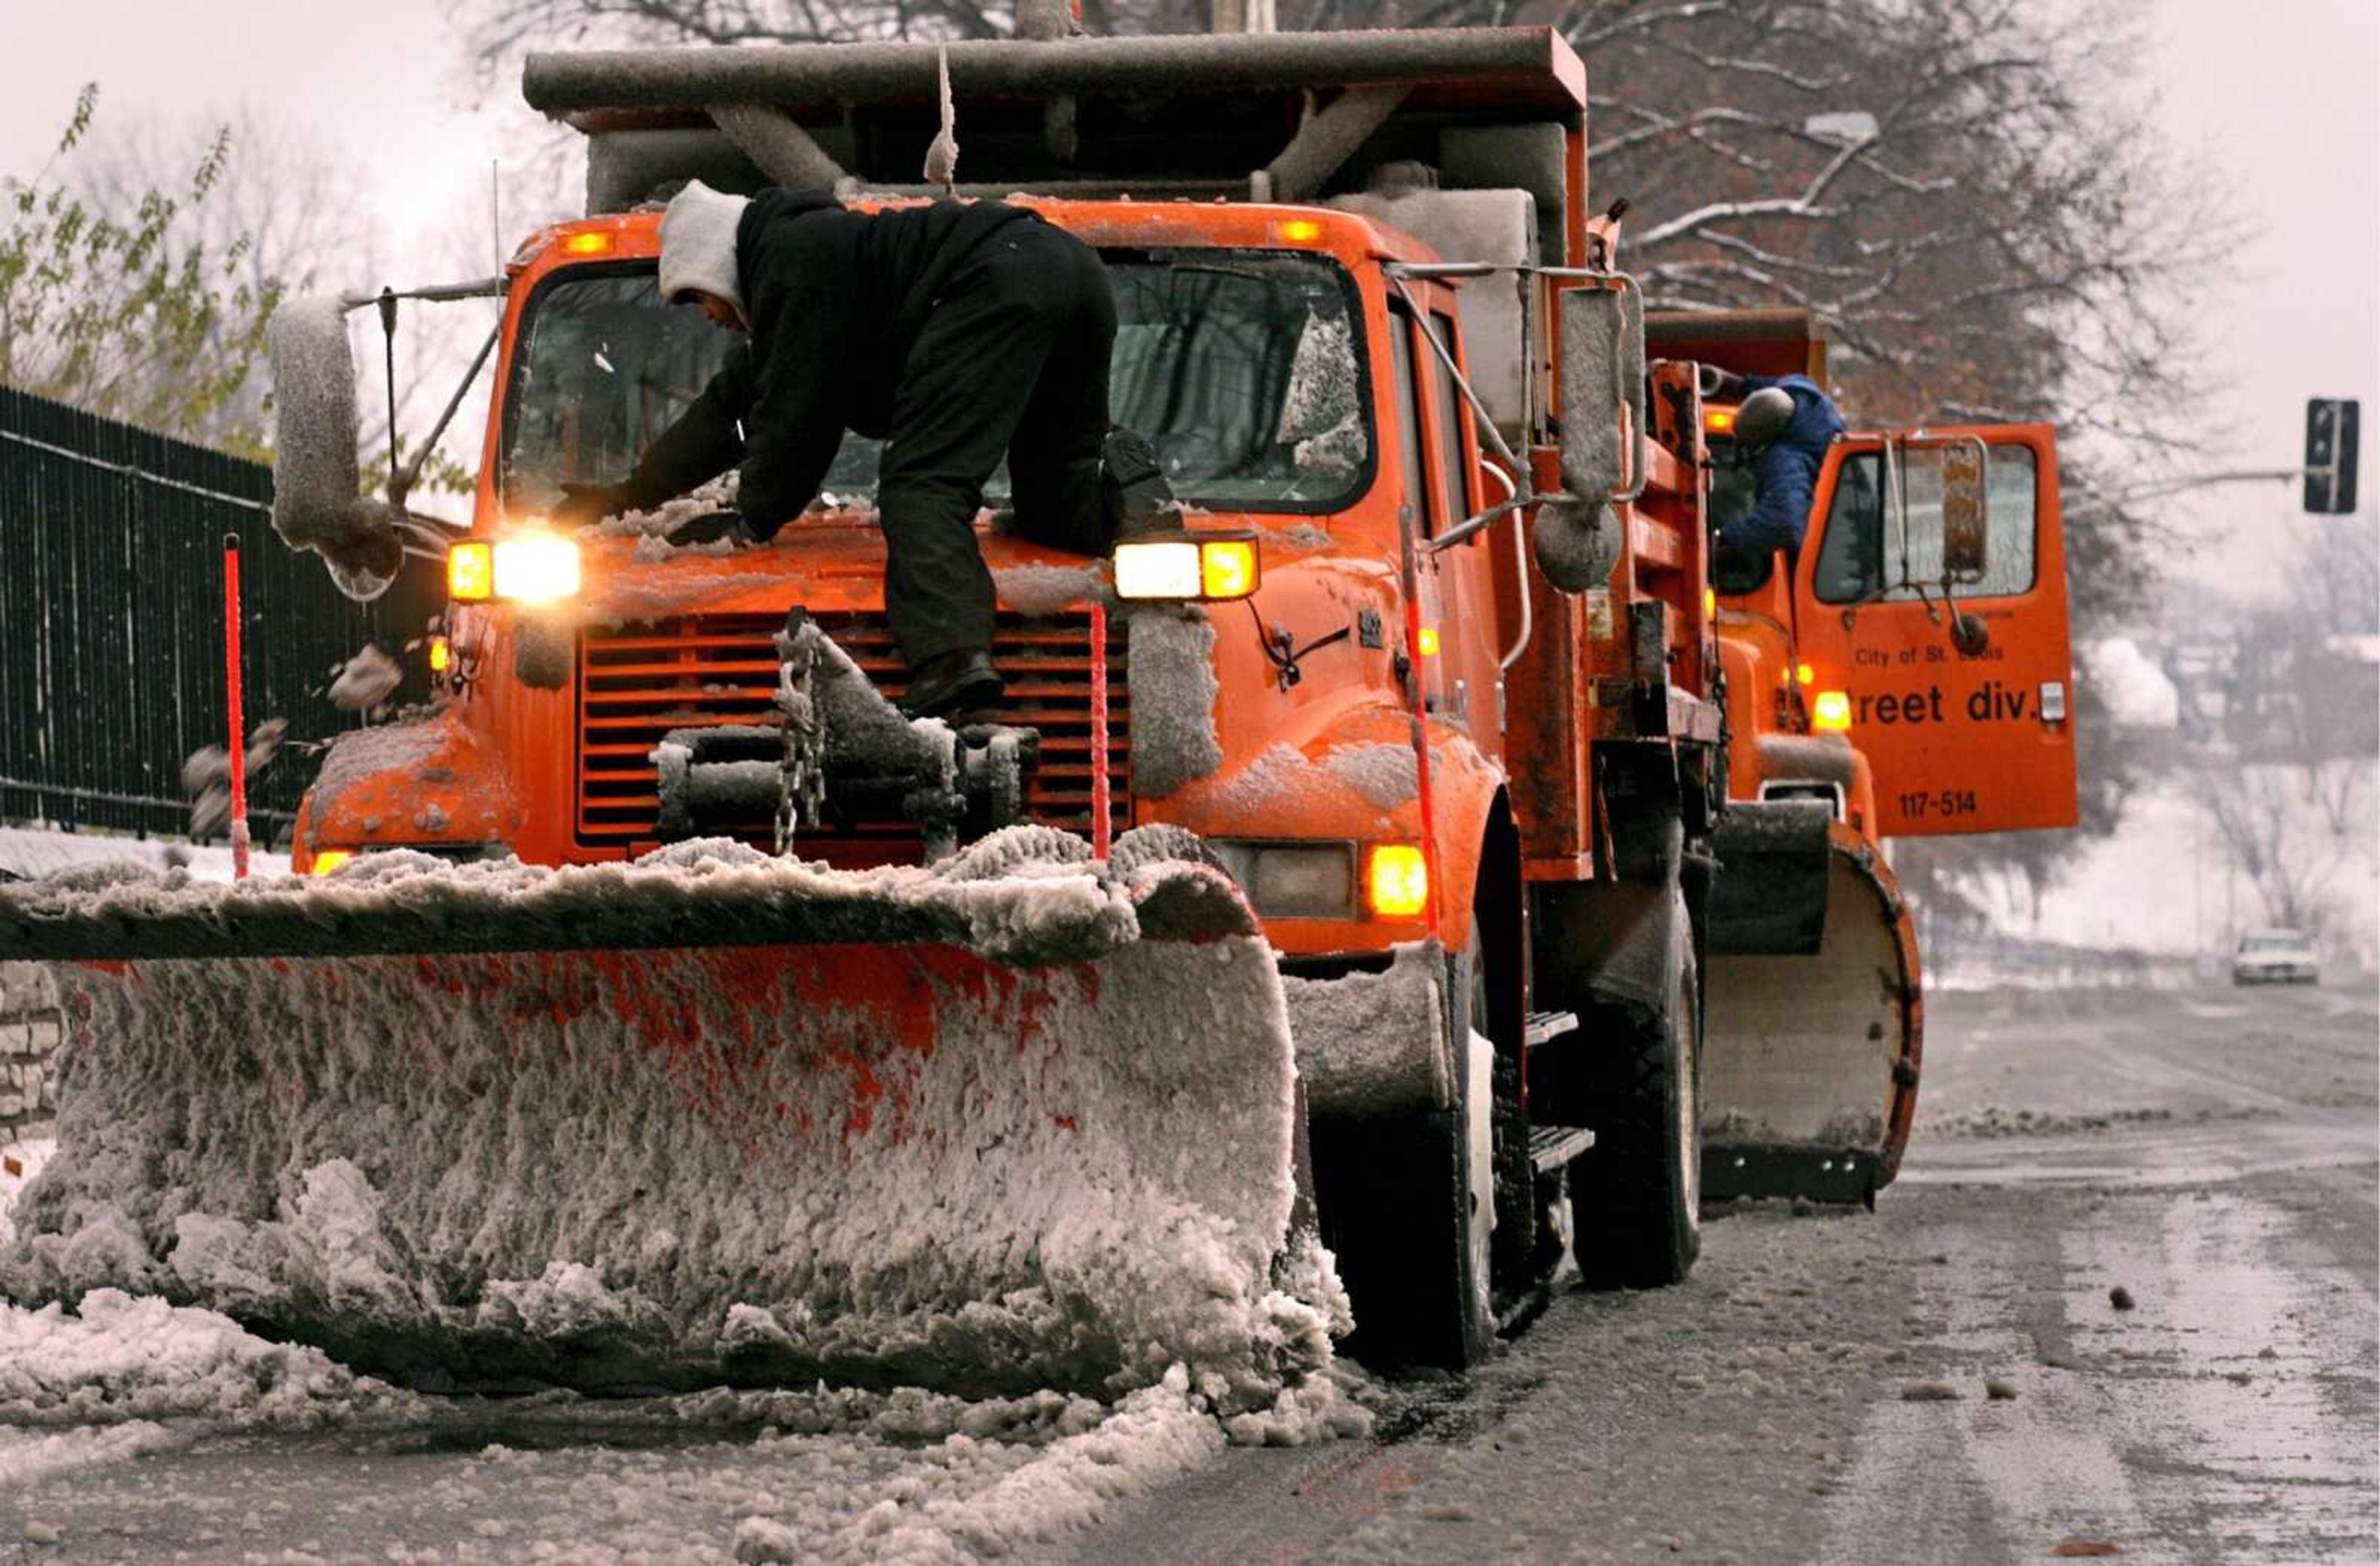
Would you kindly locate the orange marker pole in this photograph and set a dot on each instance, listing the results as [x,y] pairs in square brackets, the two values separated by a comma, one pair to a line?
[238,726]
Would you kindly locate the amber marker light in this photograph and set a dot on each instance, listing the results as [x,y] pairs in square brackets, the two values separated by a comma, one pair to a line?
[1831,713]
[597,244]
[1805,674]
[1429,641]
[1227,569]
[1397,886]
[1719,420]
[1710,602]
[471,571]
[442,655]
[1299,230]
[329,859]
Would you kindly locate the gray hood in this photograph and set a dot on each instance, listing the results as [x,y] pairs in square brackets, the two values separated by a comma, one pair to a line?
[698,246]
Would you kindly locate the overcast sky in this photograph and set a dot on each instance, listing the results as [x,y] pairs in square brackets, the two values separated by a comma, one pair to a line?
[2281,108]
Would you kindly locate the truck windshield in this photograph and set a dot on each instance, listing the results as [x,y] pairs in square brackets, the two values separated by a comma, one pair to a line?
[1243,367]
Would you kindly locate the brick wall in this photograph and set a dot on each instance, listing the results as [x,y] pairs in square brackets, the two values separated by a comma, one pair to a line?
[29,1031]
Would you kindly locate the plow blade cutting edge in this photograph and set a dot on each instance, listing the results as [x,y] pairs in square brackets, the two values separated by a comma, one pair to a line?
[1017,1121]
[1810,1071]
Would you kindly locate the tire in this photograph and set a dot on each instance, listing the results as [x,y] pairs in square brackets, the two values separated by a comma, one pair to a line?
[1407,1209]
[1639,1189]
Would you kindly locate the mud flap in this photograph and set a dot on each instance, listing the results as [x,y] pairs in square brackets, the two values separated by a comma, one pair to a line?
[1769,898]
[714,1116]
[1811,1078]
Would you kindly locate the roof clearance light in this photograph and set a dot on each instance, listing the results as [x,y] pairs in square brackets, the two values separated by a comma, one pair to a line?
[537,568]
[471,571]
[1398,884]
[329,859]
[1300,230]
[1831,713]
[1719,420]
[596,244]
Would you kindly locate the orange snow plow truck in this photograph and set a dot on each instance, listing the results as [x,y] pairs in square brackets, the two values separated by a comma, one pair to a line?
[1343,864]
[1905,673]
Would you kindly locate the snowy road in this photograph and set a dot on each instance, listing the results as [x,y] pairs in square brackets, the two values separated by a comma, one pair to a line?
[1828,1387]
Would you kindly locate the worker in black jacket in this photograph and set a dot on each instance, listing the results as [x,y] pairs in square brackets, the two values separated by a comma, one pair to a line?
[954,331]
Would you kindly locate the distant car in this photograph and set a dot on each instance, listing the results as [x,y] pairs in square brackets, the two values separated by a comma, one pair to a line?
[2276,956]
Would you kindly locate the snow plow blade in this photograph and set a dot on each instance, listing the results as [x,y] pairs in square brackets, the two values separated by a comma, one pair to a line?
[1017,1121]
[1811,1061]
[1770,896]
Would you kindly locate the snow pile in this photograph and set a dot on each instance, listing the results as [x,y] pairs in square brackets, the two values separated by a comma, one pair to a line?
[30,853]
[1052,590]
[114,1358]
[651,528]
[366,680]
[20,1162]
[861,1151]
[988,1489]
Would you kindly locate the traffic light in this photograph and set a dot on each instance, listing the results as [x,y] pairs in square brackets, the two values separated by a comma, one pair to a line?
[2330,455]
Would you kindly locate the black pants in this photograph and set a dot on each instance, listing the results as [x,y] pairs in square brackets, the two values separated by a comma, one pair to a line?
[1011,360]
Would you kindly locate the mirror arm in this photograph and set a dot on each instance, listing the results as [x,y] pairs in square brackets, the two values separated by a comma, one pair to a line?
[1470,527]
[435,293]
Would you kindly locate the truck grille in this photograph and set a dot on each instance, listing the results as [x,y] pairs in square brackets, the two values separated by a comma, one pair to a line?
[637,682]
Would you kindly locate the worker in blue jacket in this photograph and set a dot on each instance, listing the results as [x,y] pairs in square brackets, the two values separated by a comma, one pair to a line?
[1787,423]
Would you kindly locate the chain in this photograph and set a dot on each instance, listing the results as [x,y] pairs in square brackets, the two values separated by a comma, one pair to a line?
[801,790]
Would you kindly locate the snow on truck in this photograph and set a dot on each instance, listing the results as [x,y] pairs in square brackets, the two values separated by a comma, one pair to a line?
[1348,864]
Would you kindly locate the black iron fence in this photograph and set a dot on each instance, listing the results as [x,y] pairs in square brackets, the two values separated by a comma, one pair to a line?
[112,623]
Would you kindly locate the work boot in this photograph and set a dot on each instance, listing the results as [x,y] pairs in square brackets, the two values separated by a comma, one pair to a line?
[1133,486]
[952,684]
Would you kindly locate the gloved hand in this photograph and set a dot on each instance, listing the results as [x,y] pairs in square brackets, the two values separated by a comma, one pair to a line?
[583,504]
[711,526]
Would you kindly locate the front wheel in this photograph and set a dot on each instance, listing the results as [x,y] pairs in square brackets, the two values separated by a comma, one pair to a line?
[1408,1207]
[1639,1189]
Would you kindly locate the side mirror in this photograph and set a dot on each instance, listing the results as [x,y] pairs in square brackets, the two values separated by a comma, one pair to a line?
[318,501]
[1602,373]
[1602,378]
[1966,512]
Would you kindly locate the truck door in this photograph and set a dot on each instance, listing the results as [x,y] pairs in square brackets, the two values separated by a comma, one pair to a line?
[1930,606]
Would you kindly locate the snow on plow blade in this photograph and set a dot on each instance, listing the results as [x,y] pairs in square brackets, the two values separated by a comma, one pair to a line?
[1014,1122]
[1810,1068]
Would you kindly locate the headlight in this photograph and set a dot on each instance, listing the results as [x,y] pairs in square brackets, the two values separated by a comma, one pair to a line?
[329,859]
[537,568]
[1220,565]
[1312,880]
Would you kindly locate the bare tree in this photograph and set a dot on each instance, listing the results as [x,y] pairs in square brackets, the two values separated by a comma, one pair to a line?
[281,212]
[288,215]
[124,311]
